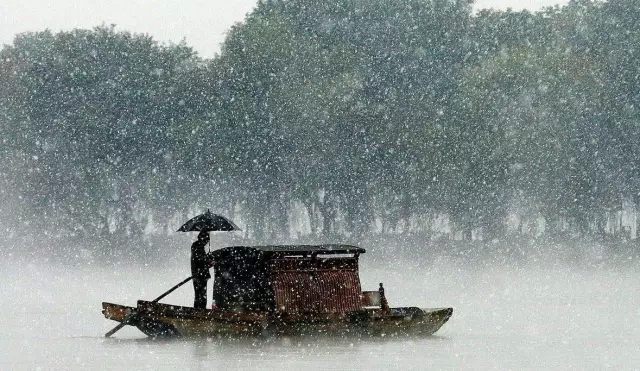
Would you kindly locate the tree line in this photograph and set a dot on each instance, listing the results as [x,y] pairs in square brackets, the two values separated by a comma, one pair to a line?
[367,117]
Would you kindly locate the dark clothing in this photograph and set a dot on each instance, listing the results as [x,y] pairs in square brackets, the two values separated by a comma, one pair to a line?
[200,272]
[199,261]
[200,289]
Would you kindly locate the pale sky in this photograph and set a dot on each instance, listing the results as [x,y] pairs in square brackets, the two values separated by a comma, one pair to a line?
[202,23]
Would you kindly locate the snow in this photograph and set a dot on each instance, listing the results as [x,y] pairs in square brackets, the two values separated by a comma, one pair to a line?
[506,316]
[334,143]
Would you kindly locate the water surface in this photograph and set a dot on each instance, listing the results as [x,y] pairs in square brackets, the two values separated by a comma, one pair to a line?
[506,316]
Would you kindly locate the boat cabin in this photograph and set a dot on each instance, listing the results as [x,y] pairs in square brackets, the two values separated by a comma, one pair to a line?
[282,290]
[288,279]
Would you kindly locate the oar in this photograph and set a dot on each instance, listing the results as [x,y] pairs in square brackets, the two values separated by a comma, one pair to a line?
[129,316]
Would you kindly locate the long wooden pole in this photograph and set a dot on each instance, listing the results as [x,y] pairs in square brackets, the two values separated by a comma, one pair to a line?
[128,317]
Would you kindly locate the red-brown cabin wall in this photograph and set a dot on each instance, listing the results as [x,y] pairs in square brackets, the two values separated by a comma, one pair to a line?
[319,285]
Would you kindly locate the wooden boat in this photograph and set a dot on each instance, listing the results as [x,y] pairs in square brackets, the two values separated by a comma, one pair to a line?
[284,290]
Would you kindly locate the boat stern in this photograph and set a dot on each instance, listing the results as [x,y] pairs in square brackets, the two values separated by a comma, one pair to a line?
[116,312]
[436,317]
[411,321]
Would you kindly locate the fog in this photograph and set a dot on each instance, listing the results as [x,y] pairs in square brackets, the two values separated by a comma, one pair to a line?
[508,314]
[487,161]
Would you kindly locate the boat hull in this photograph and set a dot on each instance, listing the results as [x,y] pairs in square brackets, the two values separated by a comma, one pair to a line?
[163,320]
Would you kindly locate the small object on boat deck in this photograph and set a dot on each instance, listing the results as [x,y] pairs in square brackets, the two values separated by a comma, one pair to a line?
[384,305]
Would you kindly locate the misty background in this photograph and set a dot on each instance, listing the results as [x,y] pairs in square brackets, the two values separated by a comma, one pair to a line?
[487,161]
[341,121]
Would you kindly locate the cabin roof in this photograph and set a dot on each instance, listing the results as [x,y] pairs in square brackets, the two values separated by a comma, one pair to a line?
[290,249]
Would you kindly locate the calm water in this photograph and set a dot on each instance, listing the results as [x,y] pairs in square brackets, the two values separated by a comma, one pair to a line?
[531,316]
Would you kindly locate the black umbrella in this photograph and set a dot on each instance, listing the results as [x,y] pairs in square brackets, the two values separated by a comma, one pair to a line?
[209,222]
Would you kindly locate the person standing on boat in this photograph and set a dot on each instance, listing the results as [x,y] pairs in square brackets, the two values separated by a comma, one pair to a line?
[200,270]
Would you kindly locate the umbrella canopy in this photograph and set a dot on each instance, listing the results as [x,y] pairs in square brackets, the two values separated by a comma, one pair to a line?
[208,222]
